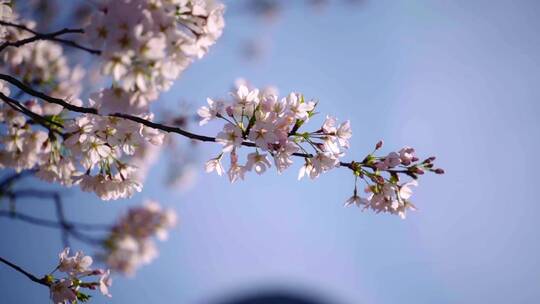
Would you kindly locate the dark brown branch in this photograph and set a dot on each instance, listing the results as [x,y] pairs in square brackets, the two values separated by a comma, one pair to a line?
[46,36]
[26,273]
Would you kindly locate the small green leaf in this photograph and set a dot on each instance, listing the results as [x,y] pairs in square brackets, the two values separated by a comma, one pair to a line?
[83,297]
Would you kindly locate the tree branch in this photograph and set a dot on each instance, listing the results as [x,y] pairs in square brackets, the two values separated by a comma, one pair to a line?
[26,273]
[46,36]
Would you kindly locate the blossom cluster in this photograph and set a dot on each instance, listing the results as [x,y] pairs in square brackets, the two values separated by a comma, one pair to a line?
[22,146]
[130,243]
[260,119]
[385,192]
[102,145]
[145,50]
[42,64]
[76,270]
[91,151]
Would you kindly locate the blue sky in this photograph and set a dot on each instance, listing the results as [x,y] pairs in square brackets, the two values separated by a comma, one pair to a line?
[457,79]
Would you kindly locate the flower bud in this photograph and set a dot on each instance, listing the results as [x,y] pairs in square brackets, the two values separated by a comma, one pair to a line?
[230,111]
[429,159]
[378,179]
[98,272]
[439,171]
[379,145]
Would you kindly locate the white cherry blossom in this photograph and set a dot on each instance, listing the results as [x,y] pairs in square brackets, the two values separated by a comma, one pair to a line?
[230,137]
[207,113]
[258,162]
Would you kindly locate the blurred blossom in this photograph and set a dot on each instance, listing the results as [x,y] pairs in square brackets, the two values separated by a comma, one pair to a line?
[129,244]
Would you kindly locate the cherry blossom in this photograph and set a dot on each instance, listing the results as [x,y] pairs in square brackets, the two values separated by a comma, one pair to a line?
[214,165]
[105,283]
[258,162]
[230,137]
[6,13]
[63,292]
[210,112]
[71,287]
[74,265]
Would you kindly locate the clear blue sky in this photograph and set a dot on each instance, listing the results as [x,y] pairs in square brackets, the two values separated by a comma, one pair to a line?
[458,79]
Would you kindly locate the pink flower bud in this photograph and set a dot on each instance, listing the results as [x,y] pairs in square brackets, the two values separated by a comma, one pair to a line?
[439,171]
[98,272]
[378,179]
[429,159]
[379,145]
[229,111]
[407,156]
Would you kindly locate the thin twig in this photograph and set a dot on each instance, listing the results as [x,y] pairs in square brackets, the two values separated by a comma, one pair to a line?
[50,223]
[46,36]
[61,217]
[14,177]
[17,106]
[30,219]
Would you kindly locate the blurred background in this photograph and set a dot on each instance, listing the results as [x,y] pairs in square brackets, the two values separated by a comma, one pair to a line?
[455,79]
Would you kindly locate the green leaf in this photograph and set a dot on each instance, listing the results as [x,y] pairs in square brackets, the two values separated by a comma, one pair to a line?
[83,297]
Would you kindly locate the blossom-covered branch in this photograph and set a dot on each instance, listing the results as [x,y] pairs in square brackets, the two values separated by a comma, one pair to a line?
[89,110]
[274,125]
[260,120]
[69,286]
